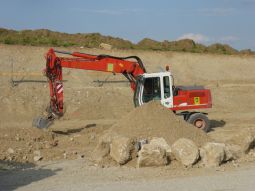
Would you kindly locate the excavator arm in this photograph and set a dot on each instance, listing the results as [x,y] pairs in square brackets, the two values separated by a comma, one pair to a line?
[104,63]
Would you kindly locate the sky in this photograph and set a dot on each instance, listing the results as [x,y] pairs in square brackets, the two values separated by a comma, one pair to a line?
[205,21]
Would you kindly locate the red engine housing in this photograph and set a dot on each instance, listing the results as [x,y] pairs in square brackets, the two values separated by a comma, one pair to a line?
[186,98]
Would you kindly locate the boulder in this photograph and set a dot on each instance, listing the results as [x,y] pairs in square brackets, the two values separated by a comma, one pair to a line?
[161,142]
[232,152]
[185,151]
[212,154]
[152,155]
[120,149]
[245,139]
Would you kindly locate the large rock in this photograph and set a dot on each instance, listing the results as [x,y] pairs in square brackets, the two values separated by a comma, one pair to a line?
[212,154]
[232,152]
[120,149]
[161,142]
[152,155]
[245,139]
[103,147]
[185,151]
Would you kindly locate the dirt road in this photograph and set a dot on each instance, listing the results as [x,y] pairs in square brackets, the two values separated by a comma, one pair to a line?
[76,175]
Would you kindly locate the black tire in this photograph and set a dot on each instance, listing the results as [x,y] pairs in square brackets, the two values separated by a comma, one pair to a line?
[200,121]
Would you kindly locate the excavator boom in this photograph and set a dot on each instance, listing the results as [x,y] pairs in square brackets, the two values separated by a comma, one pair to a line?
[104,63]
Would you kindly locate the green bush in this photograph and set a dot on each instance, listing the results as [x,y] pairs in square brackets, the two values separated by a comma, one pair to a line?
[8,40]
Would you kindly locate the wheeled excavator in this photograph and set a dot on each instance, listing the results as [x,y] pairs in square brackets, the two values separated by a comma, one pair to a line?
[184,101]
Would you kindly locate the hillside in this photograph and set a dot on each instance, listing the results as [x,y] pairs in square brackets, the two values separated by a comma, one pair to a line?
[44,37]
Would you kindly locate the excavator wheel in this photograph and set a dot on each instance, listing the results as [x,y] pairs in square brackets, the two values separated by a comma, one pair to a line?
[200,121]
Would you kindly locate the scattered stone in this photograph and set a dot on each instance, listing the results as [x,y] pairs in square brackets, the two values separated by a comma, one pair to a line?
[24,157]
[10,151]
[212,154]
[152,155]
[37,158]
[120,149]
[185,151]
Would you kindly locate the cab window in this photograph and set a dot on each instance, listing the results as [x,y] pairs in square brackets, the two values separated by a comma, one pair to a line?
[151,89]
[166,87]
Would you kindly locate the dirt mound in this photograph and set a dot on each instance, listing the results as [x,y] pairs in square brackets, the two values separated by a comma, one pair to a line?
[154,120]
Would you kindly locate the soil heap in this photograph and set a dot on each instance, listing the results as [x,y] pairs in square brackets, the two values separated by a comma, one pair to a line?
[154,120]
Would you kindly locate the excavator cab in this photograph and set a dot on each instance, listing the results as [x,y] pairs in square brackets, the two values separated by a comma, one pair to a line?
[154,86]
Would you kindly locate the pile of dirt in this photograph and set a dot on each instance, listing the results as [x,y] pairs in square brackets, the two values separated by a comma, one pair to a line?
[154,120]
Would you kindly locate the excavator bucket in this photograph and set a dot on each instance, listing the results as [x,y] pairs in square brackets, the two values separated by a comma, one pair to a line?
[41,122]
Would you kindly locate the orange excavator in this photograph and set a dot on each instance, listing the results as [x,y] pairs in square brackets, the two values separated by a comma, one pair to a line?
[184,101]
